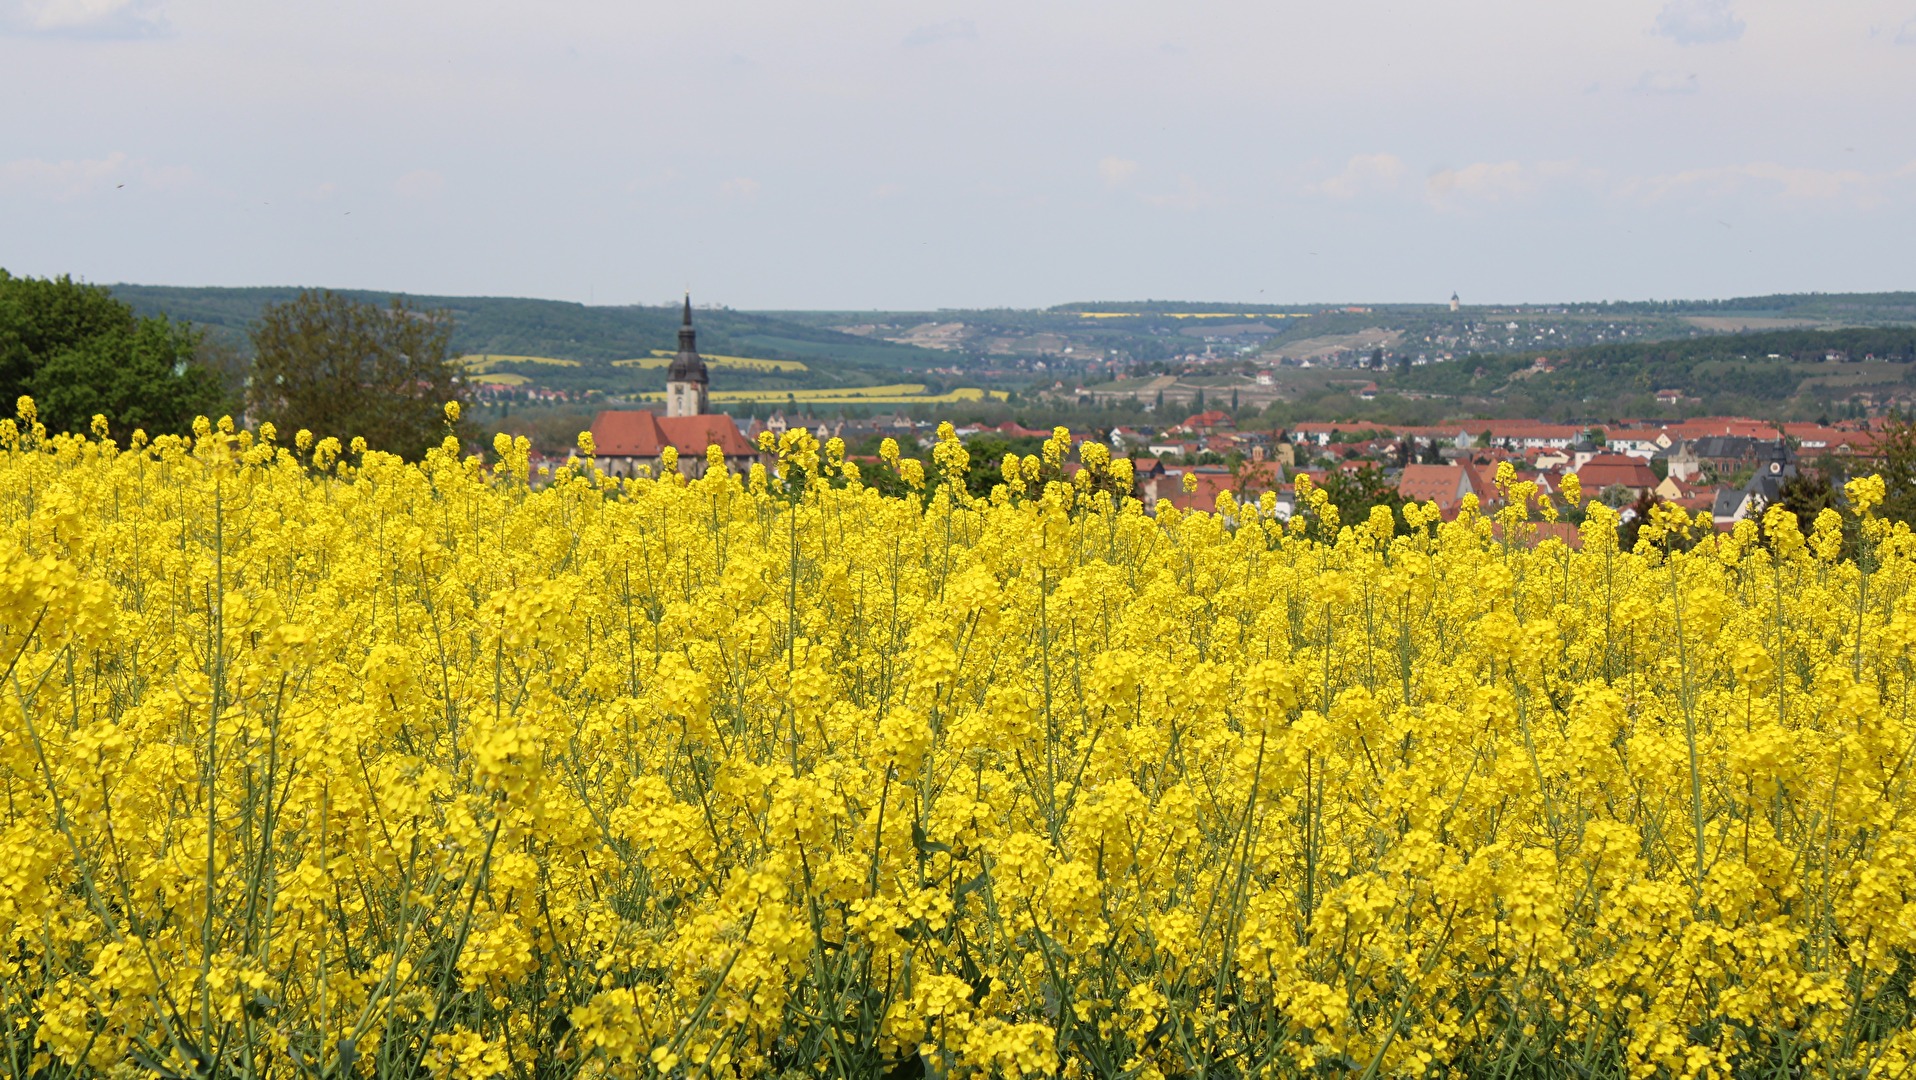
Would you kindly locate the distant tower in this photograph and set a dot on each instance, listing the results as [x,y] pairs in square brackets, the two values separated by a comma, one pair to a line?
[1454,302]
[686,383]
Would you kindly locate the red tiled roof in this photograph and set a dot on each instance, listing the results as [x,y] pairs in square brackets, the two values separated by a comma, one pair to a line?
[1720,425]
[639,433]
[1444,485]
[1210,418]
[1613,470]
[1016,430]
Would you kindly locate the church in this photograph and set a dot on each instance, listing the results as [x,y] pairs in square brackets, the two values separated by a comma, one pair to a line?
[626,439]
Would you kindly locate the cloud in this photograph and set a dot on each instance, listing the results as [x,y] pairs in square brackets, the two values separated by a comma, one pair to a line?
[1699,22]
[1116,170]
[419,184]
[1906,33]
[739,187]
[61,181]
[1666,82]
[1483,181]
[1188,196]
[932,33]
[1770,178]
[1365,172]
[83,18]
[885,191]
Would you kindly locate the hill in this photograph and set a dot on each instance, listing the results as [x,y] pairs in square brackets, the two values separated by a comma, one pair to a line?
[522,336]
[1768,373]
[1607,358]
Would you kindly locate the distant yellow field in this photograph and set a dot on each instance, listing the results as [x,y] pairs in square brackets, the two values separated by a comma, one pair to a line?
[1194,314]
[898,394]
[1230,315]
[502,378]
[663,358]
[480,363]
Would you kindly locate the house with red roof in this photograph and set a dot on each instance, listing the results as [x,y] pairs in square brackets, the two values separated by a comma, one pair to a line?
[1605,471]
[1705,426]
[1445,485]
[1206,423]
[625,439]
[1012,429]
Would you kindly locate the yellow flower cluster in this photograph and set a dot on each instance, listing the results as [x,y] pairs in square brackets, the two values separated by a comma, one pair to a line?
[319,763]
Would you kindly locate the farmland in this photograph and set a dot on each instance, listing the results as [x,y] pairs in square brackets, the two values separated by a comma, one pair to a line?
[327,763]
[897,393]
[662,358]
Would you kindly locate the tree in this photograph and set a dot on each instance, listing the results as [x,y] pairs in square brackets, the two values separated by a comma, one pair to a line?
[81,353]
[1354,493]
[339,367]
[1895,462]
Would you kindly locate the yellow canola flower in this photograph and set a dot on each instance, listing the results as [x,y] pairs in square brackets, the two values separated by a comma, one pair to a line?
[323,766]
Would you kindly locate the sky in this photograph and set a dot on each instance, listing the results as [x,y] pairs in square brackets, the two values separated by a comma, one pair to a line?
[852,154]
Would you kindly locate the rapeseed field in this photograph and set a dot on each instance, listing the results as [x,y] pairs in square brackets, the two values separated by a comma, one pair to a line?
[317,763]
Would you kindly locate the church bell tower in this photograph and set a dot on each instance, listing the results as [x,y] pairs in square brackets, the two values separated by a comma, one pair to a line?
[687,386]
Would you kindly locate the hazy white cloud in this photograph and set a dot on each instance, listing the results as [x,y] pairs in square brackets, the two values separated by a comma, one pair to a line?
[1699,22]
[1484,181]
[885,191]
[1906,33]
[1365,172]
[740,187]
[1502,181]
[61,179]
[1189,195]
[932,33]
[1770,178]
[1667,82]
[83,18]
[420,184]
[1116,170]
[36,178]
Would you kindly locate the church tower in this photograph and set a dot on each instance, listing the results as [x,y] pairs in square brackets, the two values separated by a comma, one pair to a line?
[686,383]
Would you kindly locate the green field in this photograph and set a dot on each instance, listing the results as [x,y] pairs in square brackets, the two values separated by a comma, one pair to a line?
[662,358]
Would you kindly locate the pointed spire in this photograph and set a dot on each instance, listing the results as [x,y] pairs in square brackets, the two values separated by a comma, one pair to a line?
[687,365]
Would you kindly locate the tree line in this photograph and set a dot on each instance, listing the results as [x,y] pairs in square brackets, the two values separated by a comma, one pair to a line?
[320,361]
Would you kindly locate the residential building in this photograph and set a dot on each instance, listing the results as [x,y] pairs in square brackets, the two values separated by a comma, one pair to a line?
[1445,485]
[1602,472]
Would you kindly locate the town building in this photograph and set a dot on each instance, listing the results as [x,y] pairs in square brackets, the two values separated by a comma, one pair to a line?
[1604,472]
[629,442]
[1445,485]
[687,383]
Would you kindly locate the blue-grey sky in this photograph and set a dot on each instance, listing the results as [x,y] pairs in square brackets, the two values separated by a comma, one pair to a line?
[915,153]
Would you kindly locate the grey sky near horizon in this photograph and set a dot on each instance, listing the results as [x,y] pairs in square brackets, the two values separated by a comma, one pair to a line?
[853,154]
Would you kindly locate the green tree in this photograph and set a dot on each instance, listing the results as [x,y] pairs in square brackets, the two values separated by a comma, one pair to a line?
[1354,493]
[340,367]
[1895,462]
[81,353]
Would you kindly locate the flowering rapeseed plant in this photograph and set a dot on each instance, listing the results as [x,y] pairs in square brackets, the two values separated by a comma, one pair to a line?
[317,763]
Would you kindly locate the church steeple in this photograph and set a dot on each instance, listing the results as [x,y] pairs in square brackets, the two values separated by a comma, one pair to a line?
[688,338]
[686,381]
